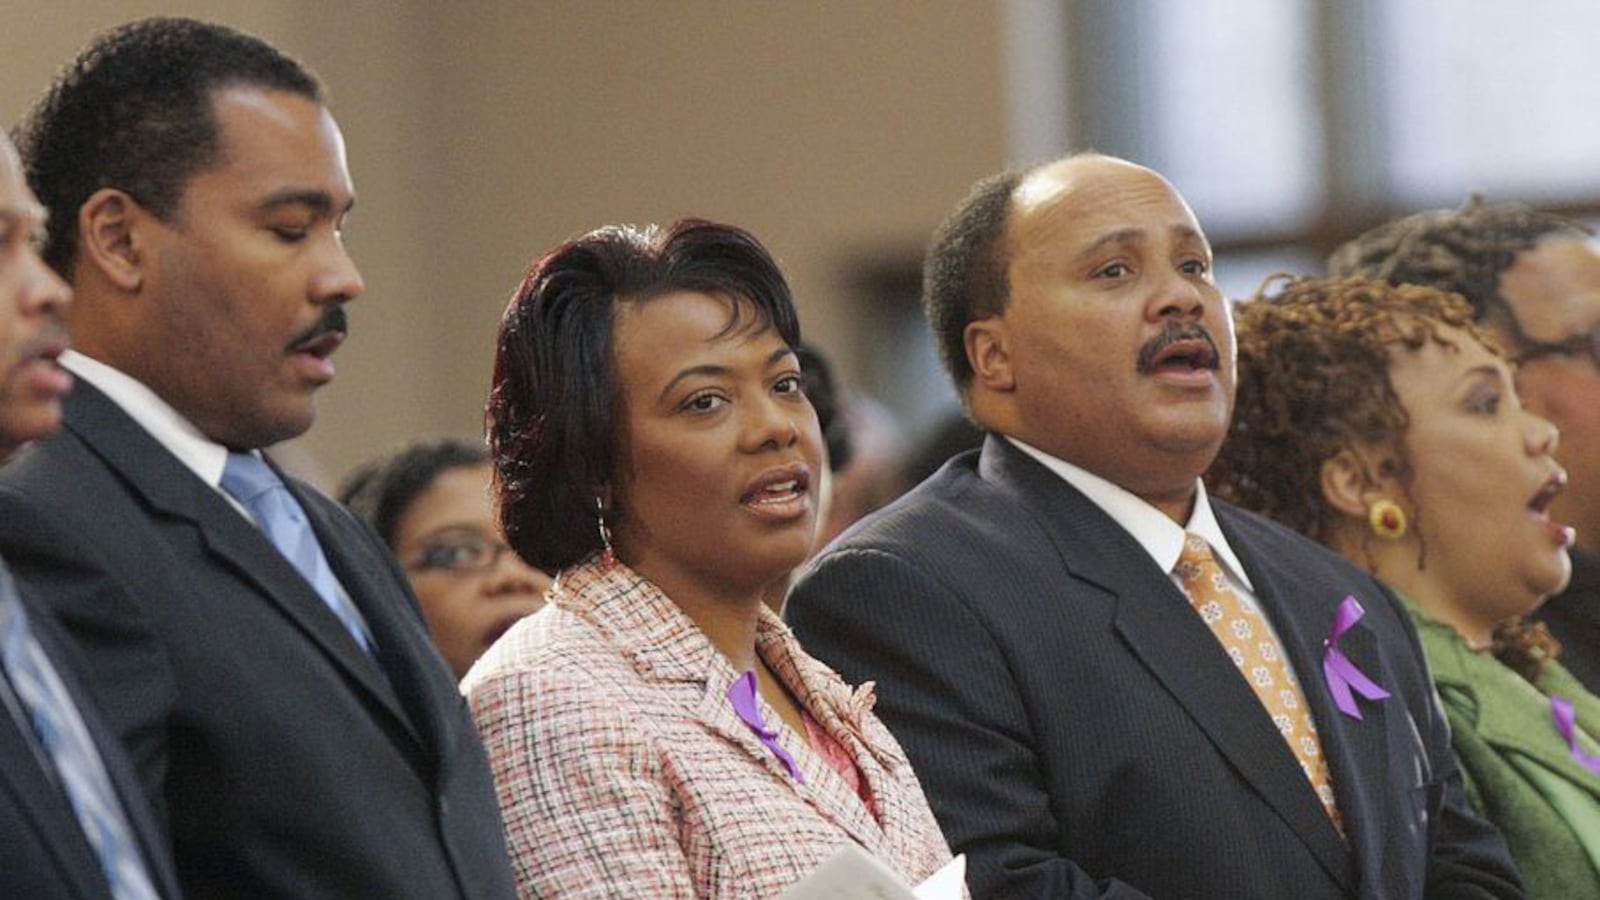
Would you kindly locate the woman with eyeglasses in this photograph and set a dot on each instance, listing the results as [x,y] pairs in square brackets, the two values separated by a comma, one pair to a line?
[657,731]
[430,503]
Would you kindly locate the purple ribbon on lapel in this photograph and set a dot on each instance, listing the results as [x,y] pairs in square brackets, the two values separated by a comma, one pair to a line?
[1561,710]
[742,694]
[1342,674]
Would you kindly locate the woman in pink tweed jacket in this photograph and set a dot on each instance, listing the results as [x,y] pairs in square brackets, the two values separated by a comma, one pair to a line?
[656,731]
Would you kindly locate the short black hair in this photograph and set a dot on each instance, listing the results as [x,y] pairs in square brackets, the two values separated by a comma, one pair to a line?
[555,405]
[134,111]
[964,275]
[382,490]
[1460,251]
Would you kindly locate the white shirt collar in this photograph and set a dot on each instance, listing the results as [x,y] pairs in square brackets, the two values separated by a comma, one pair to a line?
[1160,537]
[205,457]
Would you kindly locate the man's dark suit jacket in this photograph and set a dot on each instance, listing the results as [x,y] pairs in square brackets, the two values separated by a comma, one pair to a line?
[1080,732]
[286,762]
[43,852]
[1574,618]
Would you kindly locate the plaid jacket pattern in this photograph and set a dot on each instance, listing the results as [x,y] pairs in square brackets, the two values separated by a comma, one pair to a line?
[623,771]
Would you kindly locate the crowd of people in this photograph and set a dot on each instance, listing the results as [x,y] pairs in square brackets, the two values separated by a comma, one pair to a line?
[1295,596]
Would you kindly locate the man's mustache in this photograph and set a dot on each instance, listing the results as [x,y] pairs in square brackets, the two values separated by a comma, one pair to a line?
[334,320]
[1171,333]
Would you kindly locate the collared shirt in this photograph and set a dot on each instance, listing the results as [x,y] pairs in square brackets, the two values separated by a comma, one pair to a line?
[205,457]
[1160,537]
[201,455]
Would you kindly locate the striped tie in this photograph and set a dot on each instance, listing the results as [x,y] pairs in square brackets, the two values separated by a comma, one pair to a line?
[70,749]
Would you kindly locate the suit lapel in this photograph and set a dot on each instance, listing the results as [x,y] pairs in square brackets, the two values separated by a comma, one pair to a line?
[165,485]
[404,650]
[675,658]
[823,790]
[37,798]
[1513,716]
[1304,619]
[151,838]
[835,709]
[1155,620]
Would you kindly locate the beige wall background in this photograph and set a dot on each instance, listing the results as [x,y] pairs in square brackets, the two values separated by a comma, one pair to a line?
[481,133]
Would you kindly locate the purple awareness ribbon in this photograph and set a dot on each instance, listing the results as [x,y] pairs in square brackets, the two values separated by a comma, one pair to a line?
[1561,710]
[742,694]
[1342,674]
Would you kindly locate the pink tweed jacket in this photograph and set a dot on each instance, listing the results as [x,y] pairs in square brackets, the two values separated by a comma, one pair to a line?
[623,771]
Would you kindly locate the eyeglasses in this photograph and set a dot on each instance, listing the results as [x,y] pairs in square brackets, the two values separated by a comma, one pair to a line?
[458,550]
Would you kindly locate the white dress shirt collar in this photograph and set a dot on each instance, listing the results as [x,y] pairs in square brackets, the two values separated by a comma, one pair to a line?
[1160,537]
[205,457]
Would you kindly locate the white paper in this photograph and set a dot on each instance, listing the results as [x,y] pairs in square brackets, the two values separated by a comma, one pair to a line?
[854,874]
[947,883]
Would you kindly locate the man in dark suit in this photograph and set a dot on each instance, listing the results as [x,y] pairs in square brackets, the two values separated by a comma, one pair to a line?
[1533,279]
[74,822]
[1109,684]
[253,644]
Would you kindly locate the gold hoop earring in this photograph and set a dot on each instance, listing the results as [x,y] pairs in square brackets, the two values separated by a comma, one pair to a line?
[608,558]
[1387,519]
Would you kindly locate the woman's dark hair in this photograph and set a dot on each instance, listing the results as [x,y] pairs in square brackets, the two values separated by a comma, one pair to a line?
[554,413]
[382,490]
[824,394]
[1314,359]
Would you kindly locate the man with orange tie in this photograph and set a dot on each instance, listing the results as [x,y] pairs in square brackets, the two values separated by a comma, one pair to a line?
[73,820]
[1110,684]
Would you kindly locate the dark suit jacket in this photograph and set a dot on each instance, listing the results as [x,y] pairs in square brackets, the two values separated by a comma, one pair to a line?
[287,762]
[1079,731]
[43,852]
[1574,618]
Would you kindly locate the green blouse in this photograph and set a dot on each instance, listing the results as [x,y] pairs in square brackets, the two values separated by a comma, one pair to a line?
[1519,770]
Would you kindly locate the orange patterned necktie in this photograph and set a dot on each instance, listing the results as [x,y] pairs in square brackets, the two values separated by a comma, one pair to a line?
[1250,643]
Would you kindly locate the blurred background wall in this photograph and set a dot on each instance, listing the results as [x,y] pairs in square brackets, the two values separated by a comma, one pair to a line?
[481,132]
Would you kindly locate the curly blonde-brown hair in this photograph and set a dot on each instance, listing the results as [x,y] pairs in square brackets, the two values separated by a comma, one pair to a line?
[1314,359]
[1314,380]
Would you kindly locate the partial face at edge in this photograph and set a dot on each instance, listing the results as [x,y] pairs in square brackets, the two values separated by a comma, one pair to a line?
[471,586]
[32,303]
[1554,291]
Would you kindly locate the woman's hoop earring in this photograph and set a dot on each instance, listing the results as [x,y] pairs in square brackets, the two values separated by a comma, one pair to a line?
[608,557]
[1387,519]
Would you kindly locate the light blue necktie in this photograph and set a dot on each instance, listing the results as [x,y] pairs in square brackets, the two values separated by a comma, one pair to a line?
[66,741]
[253,483]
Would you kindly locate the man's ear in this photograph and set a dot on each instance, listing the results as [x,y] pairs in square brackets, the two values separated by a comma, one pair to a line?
[110,237]
[989,350]
[1353,479]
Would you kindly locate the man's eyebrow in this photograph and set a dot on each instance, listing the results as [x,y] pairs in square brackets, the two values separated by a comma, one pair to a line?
[1189,233]
[319,202]
[1120,236]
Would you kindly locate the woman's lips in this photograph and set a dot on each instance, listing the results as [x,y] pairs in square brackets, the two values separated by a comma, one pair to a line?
[1539,507]
[781,493]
